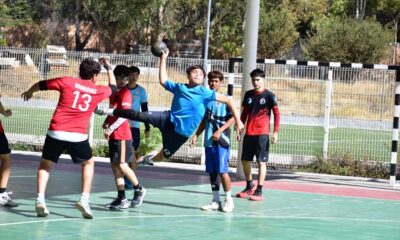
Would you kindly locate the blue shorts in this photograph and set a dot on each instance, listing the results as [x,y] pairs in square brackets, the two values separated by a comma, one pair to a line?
[4,148]
[217,159]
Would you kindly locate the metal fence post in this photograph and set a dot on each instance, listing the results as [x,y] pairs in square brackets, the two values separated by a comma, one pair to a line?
[327,113]
[395,131]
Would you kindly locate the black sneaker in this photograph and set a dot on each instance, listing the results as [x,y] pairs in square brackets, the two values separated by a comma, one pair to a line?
[118,204]
[138,197]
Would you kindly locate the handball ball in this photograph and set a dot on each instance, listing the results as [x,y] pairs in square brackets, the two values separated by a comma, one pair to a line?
[157,47]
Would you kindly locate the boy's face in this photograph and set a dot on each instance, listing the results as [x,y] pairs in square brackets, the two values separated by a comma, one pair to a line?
[258,83]
[214,84]
[133,77]
[196,77]
[121,81]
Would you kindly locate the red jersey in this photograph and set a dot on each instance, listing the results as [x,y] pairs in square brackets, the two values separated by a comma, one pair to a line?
[1,128]
[257,107]
[77,101]
[121,100]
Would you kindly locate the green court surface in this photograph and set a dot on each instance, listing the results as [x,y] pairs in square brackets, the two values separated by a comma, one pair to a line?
[171,209]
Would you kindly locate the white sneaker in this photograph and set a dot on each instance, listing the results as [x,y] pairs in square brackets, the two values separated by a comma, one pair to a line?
[228,205]
[6,201]
[41,209]
[84,208]
[212,206]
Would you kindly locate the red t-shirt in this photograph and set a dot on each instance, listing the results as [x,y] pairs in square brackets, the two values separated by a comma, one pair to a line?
[1,128]
[257,107]
[77,101]
[121,100]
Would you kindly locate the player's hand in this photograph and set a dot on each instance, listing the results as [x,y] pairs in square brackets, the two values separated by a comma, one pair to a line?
[147,133]
[102,110]
[164,53]
[274,138]
[27,95]
[105,61]
[107,133]
[216,135]
[239,126]
[8,113]
[193,141]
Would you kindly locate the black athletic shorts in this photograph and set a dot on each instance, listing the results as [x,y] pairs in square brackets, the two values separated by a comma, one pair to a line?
[4,148]
[258,146]
[121,151]
[79,151]
[172,140]
[135,138]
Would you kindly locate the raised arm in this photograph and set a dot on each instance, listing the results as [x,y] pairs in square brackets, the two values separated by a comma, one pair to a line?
[110,74]
[228,101]
[163,67]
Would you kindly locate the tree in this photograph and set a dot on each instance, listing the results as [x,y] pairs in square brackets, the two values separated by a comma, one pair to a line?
[277,33]
[348,40]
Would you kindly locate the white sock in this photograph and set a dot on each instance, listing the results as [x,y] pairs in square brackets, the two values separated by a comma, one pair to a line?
[216,196]
[85,196]
[228,195]
[40,196]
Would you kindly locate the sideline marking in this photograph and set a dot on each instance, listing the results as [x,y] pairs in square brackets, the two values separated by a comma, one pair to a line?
[211,216]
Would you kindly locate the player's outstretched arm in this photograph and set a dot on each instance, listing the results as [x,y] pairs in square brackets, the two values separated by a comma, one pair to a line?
[28,94]
[228,101]
[163,66]
[7,112]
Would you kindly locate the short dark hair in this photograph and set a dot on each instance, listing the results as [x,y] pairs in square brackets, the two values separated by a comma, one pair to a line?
[215,74]
[88,68]
[121,71]
[191,68]
[134,69]
[257,73]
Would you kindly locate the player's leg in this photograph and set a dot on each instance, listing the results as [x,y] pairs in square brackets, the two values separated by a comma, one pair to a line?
[52,150]
[127,155]
[249,150]
[215,182]
[81,153]
[135,143]
[222,168]
[120,202]
[262,159]
[5,171]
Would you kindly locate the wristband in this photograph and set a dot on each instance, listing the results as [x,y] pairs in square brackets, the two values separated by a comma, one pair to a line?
[107,67]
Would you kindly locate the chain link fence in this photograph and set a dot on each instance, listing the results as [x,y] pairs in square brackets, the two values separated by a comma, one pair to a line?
[361,107]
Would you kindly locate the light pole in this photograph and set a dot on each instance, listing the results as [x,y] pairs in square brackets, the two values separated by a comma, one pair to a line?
[205,63]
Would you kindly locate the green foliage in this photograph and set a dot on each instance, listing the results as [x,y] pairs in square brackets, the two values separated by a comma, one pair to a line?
[277,33]
[21,146]
[348,40]
[346,166]
[149,144]
[100,151]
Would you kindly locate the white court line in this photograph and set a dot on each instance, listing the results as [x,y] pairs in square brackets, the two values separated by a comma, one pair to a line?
[33,176]
[209,216]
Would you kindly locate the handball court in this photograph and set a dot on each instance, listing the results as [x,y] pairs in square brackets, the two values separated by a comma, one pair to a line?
[295,206]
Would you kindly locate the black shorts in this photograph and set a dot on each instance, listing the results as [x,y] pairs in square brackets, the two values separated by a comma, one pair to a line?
[4,147]
[256,146]
[172,140]
[121,151]
[53,148]
[135,138]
